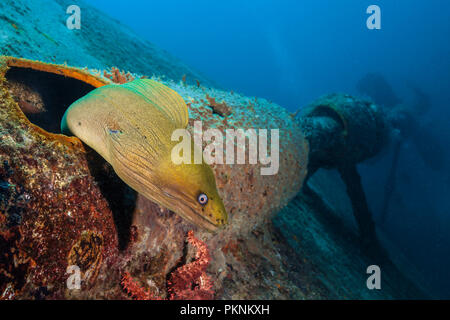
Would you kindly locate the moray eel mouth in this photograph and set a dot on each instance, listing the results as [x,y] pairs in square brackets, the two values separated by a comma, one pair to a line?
[198,219]
[181,203]
[167,191]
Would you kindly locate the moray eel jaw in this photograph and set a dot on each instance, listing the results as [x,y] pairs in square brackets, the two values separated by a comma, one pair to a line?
[182,186]
[175,188]
[189,212]
[182,190]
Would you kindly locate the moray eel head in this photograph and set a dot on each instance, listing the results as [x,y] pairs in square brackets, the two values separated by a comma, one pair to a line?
[190,190]
[130,126]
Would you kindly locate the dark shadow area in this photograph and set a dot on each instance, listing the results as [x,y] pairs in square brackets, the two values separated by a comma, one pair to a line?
[43,96]
[121,198]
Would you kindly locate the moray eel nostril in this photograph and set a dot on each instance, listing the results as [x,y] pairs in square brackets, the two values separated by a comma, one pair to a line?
[130,126]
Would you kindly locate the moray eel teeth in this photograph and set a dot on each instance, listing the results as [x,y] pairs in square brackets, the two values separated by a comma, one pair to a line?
[130,126]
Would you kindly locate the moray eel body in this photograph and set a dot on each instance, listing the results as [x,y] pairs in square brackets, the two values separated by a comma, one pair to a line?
[130,126]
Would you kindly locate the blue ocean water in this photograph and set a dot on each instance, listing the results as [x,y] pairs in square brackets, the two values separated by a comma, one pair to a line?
[292,52]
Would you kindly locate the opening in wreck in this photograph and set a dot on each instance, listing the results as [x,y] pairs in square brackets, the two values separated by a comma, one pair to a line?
[44,97]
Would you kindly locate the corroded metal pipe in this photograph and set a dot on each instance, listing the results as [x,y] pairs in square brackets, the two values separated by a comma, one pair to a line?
[343,131]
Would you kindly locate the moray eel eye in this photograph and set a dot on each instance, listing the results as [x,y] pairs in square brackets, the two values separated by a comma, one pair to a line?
[202,199]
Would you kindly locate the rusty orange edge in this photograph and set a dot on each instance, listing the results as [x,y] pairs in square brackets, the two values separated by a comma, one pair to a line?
[63,70]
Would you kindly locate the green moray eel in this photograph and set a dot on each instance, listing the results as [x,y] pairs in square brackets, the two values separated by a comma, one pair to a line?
[130,126]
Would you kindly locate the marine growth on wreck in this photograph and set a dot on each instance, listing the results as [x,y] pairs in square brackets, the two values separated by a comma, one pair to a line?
[126,174]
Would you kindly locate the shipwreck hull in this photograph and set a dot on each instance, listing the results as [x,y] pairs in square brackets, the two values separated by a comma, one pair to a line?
[61,204]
